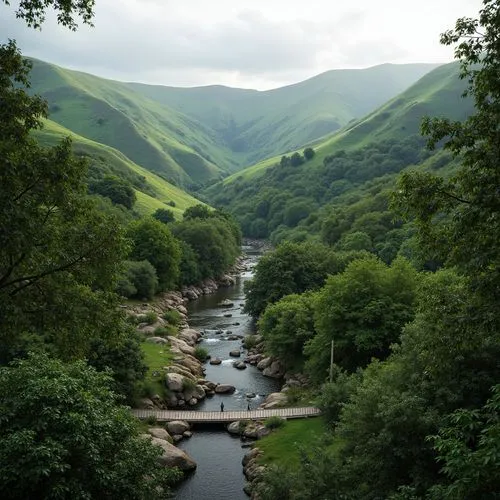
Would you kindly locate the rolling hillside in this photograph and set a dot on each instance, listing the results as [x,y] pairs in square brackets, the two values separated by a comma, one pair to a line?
[273,198]
[151,190]
[437,93]
[256,125]
[162,140]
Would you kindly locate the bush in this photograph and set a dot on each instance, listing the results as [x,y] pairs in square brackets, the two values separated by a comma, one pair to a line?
[164,215]
[188,384]
[150,317]
[139,276]
[274,422]
[250,341]
[160,331]
[200,353]
[173,317]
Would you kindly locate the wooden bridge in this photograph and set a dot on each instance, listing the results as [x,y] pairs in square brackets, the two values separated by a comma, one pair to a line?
[226,416]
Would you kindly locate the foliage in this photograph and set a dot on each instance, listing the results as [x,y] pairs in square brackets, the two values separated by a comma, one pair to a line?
[213,241]
[33,11]
[361,310]
[308,153]
[119,191]
[197,212]
[468,445]
[150,317]
[286,325]
[290,268]
[125,360]
[200,353]
[59,256]
[164,215]
[173,317]
[59,439]
[274,422]
[153,241]
[139,280]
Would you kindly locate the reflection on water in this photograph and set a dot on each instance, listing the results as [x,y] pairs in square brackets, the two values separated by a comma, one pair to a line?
[218,454]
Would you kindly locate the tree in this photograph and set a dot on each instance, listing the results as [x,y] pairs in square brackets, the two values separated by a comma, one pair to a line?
[290,268]
[363,311]
[59,256]
[197,212]
[164,215]
[296,160]
[468,201]
[213,241]
[119,191]
[139,280]
[153,241]
[309,153]
[59,440]
[33,11]
[286,325]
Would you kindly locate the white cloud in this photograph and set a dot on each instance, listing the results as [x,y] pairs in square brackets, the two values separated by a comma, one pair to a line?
[260,44]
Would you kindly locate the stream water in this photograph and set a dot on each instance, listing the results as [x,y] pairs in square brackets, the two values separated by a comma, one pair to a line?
[219,475]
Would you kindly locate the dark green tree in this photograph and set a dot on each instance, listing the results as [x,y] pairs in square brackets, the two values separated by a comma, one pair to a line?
[309,153]
[33,11]
[197,212]
[59,439]
[153,241]
[164,215]
[119,191]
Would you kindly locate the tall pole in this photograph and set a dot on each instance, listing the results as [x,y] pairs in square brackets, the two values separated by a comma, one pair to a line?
[331,363]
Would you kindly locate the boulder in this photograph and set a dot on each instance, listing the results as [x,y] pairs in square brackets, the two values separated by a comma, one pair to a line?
[225,389]
[172,456]
[275,370]
[187,434]
[174,381]
[274,400]
[177,438]
[250,395]
[157,340]
[264,363]
[177,427]
[215,361]
[160,433]
[226,303]
[253,453]
[147,404]
[235,353]
[234,427]
[240,365]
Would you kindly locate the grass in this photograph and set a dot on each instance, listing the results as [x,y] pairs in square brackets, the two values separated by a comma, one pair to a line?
[111,113]
[282,445]
[156,356]
[152,191]
[435,94]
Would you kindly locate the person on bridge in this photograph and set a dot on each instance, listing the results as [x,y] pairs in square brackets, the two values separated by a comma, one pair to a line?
[222,406]
[248,407]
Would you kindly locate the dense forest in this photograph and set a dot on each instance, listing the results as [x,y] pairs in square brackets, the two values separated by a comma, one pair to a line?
[412,399]
[386,258]
[72,248]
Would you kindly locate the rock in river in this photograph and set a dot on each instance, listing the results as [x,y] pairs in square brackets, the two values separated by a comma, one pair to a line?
[225,389]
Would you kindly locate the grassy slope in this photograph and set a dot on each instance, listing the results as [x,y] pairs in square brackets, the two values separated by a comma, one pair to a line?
[436,94]
[158,190]
[261,124]
[109,112]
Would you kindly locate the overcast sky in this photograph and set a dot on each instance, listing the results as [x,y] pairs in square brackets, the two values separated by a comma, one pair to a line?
[254,44]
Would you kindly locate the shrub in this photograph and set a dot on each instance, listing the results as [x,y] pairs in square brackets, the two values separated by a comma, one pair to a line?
[142,276]
[274,422]
[188,384]
[150,317]
[160,331]
[250,341]
[201,353]
[173,317]
[151,420]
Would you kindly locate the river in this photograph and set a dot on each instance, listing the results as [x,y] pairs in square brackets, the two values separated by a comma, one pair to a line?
[218,454]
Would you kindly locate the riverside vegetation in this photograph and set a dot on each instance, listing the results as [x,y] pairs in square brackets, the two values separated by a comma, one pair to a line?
[70,358]
[412,399]
[386,248]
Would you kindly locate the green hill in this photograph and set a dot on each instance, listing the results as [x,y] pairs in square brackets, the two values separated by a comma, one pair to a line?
[437,93]
[150,134]
[256,125]
[275,198]
[151,190]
